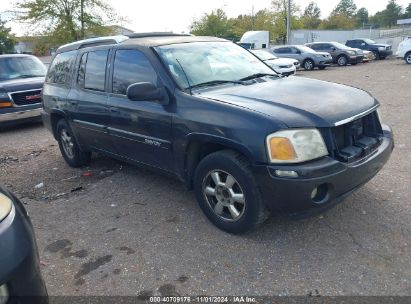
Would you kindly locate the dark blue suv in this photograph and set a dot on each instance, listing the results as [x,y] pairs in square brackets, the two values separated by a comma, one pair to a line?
[213,115]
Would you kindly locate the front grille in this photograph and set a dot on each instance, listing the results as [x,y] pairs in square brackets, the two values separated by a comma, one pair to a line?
[285,66]
[356,139]
[26,97]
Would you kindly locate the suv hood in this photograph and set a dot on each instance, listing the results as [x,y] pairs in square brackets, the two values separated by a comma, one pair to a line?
[22,84]
[295,101]
[380,44]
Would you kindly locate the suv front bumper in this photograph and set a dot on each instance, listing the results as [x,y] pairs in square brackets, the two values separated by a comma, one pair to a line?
[16,115]
[335,179]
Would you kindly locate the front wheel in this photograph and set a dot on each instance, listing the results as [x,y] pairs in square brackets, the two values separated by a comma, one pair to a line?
[342,60]
[227,192]
[376,55]
[69,147]
[308,64]
[408,58]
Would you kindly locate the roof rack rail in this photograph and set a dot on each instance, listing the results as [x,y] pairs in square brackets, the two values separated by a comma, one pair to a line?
[154,34]
[91,42]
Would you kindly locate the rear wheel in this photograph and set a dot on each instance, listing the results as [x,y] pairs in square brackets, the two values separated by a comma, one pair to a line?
[342,60]
[228,193]
[69,147]
[308,64]
[408,58]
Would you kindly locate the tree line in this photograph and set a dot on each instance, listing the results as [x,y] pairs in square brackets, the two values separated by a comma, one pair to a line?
[345,15]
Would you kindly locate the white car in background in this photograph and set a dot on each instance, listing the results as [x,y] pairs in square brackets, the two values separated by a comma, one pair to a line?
[404,50]
[283,66]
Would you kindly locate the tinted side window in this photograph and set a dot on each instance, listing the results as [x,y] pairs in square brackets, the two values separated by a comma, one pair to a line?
[314,46]
[59,72]
[131,66]
[96,70]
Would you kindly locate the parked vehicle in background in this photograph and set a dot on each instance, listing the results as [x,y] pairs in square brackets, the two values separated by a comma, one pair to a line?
[308,58]
[255,40]
[368,56]
[208,112]
[380,50]
[283,66]
[404,50]
[21,81]
[341,54]
[20,277]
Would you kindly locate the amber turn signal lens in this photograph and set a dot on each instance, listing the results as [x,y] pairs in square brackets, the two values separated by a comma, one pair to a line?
[281,149]
[5,104]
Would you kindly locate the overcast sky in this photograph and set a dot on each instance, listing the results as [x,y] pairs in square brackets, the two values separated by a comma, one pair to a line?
[177,15]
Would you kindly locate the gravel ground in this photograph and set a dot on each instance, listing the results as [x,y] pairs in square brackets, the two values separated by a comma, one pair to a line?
[114,229]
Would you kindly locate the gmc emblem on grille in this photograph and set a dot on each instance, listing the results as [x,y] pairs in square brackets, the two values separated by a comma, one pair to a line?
[33,97]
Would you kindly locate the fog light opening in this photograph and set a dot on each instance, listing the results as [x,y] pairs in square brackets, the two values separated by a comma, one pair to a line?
[286,173]
[320,194]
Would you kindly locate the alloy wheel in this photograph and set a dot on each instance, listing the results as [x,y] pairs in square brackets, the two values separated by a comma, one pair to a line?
[308,65]
[224,195]
[408,58]
[342,61]
[67,143]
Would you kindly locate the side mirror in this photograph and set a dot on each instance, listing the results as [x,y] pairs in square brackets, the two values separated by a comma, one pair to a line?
[363,44]
[147,91]
[333,48]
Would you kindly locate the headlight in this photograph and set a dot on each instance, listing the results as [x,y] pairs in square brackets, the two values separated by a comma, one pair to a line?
[295,146]
[5,206]
[381,48]
[351,52]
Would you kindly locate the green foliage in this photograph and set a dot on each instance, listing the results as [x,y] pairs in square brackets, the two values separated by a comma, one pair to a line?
[342,17]
[361,17]
[389,16]
[67,20]
[345,7]
[7,41]
[311,16]
[407,13]
[392,13]
[214,24]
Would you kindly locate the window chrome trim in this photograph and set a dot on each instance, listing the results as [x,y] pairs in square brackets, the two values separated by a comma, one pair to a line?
[347,120]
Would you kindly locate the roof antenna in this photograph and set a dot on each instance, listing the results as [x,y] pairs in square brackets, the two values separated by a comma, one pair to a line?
[189,85]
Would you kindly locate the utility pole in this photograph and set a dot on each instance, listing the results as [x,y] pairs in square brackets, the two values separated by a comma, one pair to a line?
[289,22]
[82,18]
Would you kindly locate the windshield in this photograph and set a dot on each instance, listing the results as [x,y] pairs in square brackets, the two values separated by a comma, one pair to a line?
[369,41]
[340,46]
[21,67]
[206,62]
[305,49]
[263,55]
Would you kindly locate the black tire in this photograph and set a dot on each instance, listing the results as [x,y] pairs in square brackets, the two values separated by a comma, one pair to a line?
[308,64]
[76,158]
[342,60]
[407,58]
[376,54]
[251,213]
[322,67]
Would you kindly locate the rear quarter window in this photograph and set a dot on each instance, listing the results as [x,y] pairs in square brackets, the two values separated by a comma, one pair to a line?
[61,68]
[95,74]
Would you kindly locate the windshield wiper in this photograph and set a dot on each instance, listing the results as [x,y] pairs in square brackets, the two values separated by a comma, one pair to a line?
[215,82]
[257,75]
